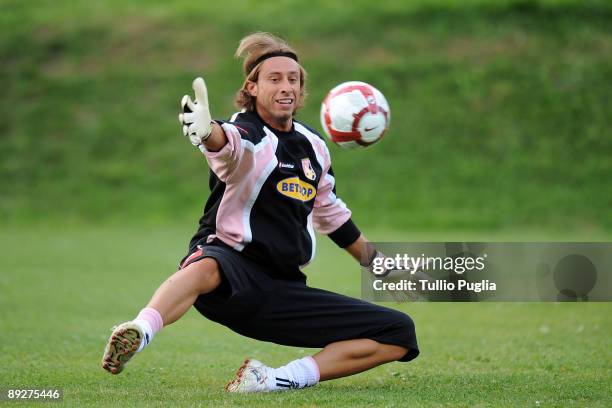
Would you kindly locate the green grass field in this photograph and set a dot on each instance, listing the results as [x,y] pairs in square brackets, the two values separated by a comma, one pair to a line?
[62,287]
[500,131]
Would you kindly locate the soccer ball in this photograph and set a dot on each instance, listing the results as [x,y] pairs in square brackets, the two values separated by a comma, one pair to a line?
[355,114]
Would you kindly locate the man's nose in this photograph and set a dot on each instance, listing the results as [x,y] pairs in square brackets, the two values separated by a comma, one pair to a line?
[285,85]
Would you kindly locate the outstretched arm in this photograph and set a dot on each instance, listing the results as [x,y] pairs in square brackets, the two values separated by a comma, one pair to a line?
[217,139]
[362,251]
[196,120]
[366,254]
[221,144]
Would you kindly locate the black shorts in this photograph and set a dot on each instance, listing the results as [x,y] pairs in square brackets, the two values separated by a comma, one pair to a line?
[253,304]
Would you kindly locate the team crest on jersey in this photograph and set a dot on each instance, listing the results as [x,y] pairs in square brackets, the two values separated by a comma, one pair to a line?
[308,170]
[297,189]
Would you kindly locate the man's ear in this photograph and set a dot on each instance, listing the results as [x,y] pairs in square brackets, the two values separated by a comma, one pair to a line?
[252,88]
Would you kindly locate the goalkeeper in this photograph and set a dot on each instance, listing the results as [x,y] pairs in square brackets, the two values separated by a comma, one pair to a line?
[271,187]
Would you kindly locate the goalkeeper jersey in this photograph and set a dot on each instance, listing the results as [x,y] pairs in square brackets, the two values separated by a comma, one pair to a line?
[270,192]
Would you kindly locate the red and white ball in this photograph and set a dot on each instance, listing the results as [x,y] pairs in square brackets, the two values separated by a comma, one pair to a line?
[355,114]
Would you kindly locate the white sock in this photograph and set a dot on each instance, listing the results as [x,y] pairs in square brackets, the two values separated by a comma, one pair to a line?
[300,373]
[150,322]
[148,333]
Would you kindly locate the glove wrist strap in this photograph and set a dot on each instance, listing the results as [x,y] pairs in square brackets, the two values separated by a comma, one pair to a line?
[206,137]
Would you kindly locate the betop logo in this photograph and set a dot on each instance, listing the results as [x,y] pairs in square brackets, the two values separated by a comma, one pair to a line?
[297,189]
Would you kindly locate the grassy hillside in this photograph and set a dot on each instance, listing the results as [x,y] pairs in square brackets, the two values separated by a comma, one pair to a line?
[500,110]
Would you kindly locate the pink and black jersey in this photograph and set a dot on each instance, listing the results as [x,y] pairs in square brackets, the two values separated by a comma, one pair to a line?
[270,192]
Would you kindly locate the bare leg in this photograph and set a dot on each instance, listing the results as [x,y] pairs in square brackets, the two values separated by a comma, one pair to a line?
[178,293]
[171,300]
[354,356]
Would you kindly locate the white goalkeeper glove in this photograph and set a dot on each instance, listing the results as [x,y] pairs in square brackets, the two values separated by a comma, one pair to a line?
[195,116]
[378,271]
[378,267]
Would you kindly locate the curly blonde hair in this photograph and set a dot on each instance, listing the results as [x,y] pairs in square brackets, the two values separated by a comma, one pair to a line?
[251,48]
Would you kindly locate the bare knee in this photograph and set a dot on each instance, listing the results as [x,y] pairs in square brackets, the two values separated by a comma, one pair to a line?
[204,274]
[368,348]
[383,352]
[358,348]
[391,352]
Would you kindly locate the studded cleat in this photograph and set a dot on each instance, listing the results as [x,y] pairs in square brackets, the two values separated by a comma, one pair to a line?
[122,345]
[250,377]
